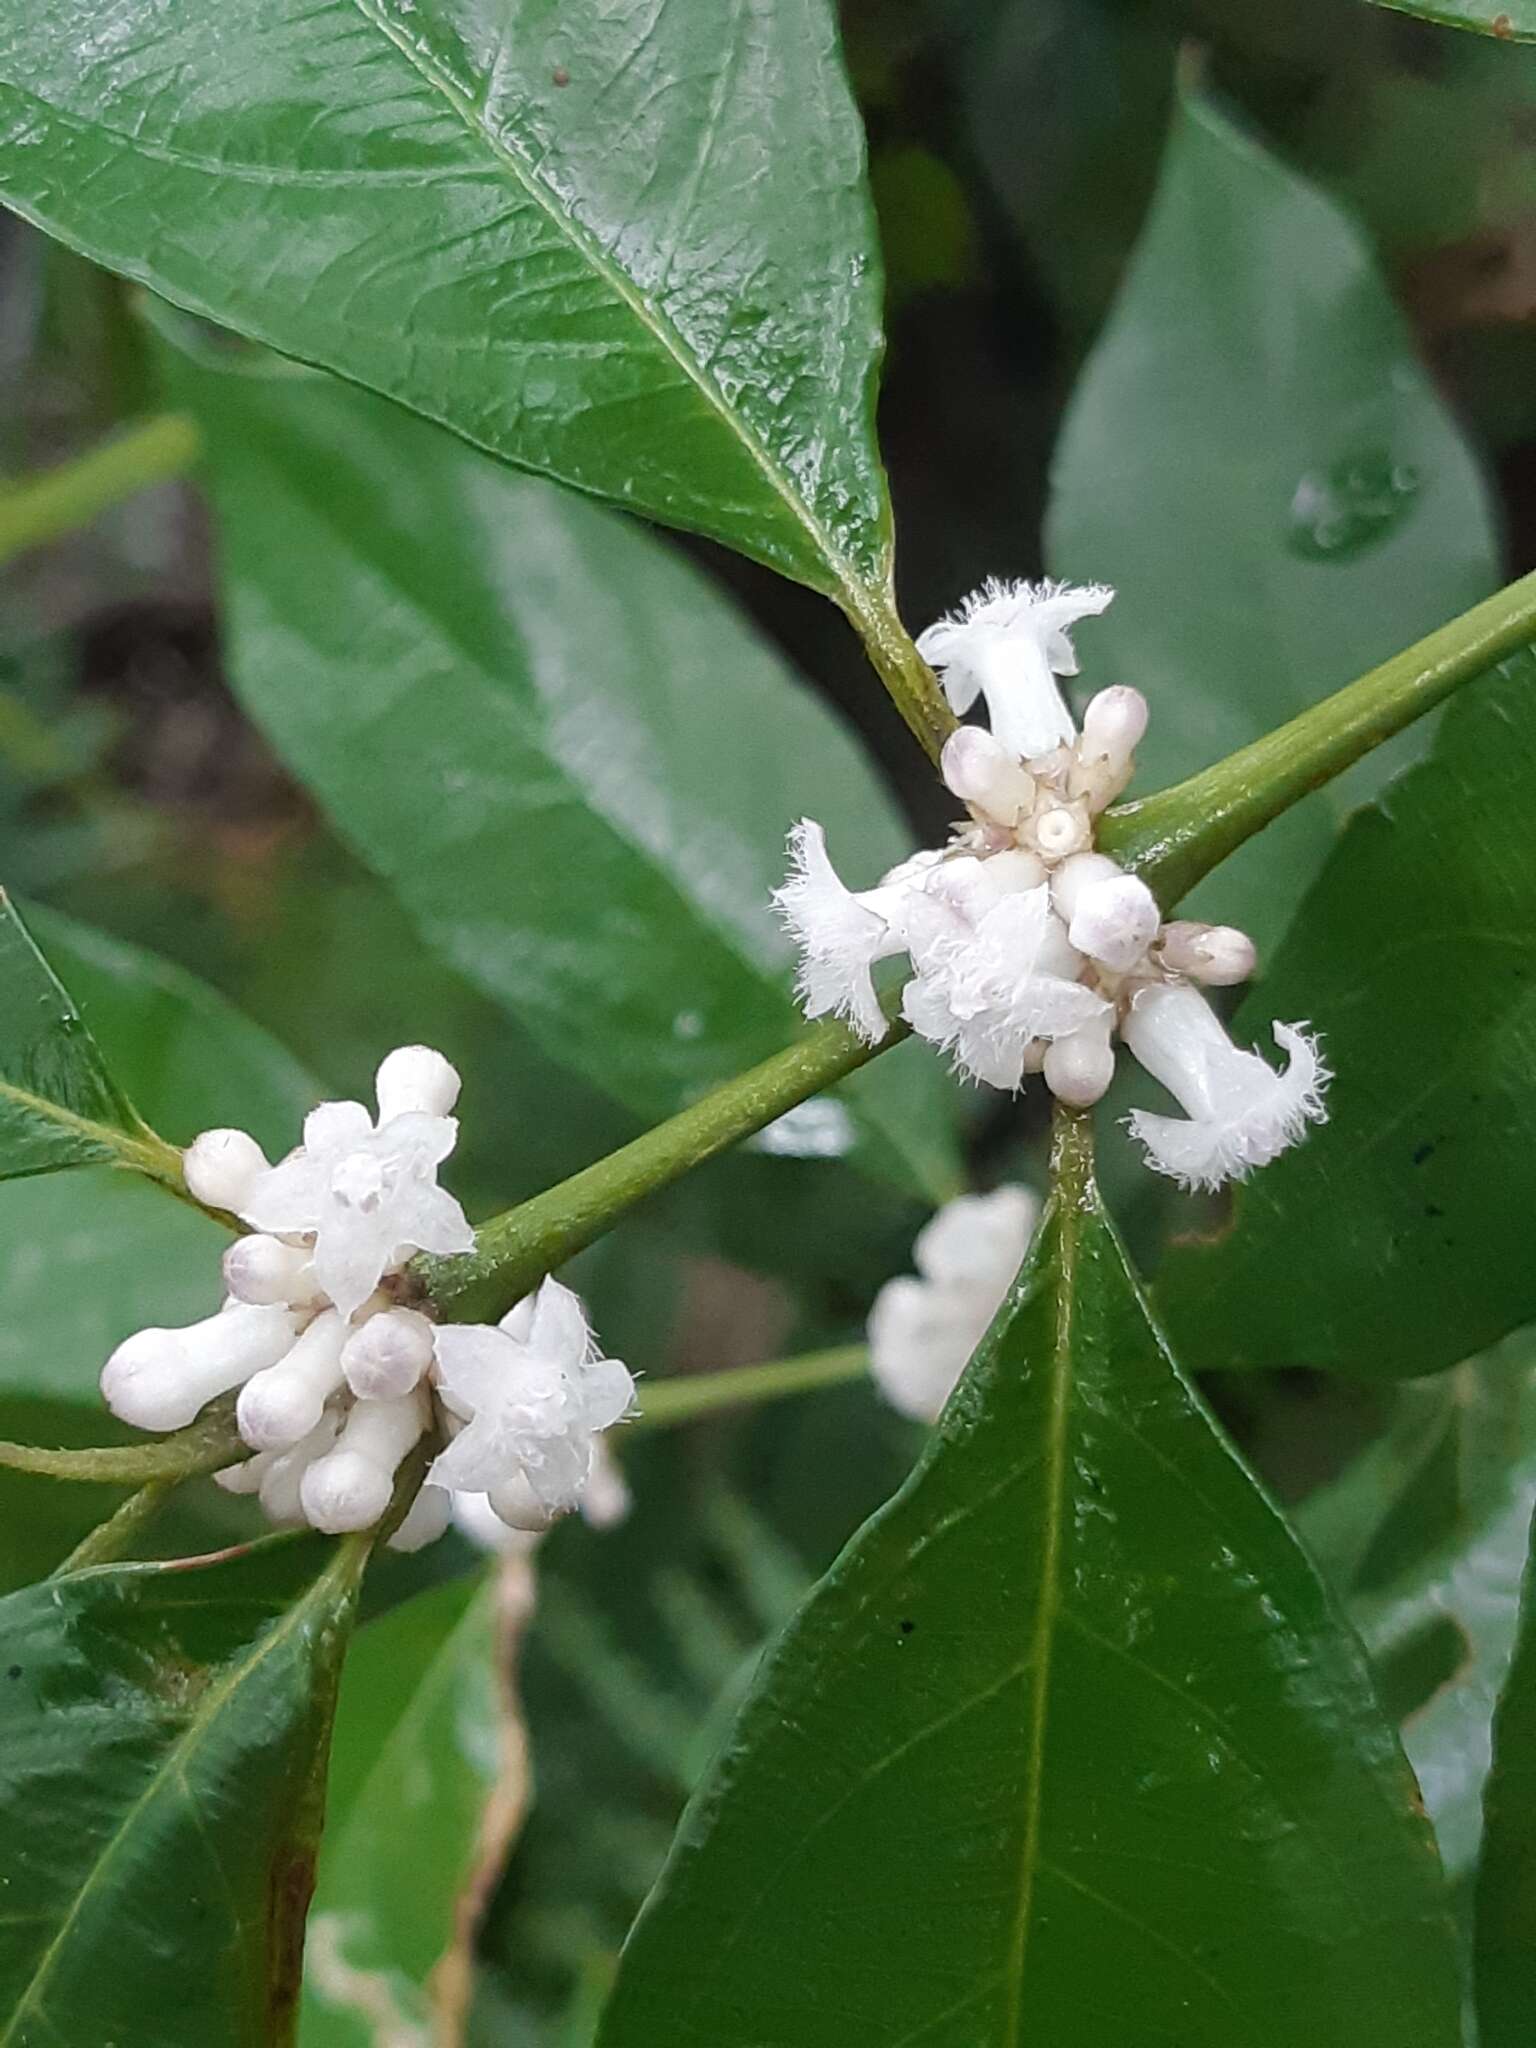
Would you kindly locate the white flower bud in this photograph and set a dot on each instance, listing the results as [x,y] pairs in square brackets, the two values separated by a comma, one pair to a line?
[477,1521]
[350,1487]
[980,771]
[514,1502]
[388,1355]
[1115,921]
[1079,1068]
[282,1472]
[416,1080]
[246,1477]
[268,1272]
[1217,954]
[605,1499]
[280,1406]
[426,1519]
[162,1379]
[221,1168]
[1081,872]
[1113,726]
[1012,870]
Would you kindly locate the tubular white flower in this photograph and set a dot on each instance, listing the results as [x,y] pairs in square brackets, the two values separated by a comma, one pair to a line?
[279,1406]
[1113,725]
[350,1486]
[367,1194]
[282,1472]
[532,1402]
[1079,1067]
[840,935]
[986,986]
[221,1167]
[415,1081]
[1114,921]
[979,769]
[162,1379]
[268,1272]
[389,1355]
[1008,642]
[922,1331]
[425,1520]
[1242,1114]
[1217,954]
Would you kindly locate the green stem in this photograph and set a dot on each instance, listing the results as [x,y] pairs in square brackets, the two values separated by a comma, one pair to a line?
[514,1251]
[908,679]
[41,508]
[689,1395]
[1174,838]
[206,1445]
[115,1537]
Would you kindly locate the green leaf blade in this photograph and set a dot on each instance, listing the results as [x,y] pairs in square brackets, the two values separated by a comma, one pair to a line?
[1509,21]
[564,752]
[1504,1939]
[1413,956]
[562,232]
[1316,508]
[164,1730]
[1070,1744]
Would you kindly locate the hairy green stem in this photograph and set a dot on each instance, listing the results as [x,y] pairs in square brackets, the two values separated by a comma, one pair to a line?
[686,1396]
[43,507]
[1175,837]
[908,680]
[115,1537]
[206,1445]
[514,1251]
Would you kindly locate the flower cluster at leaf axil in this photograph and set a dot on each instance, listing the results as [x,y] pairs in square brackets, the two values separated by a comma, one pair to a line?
[1030,950]
[339,1377]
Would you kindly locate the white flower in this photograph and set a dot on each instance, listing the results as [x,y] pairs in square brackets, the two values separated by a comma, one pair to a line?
[992,977]
[533,1397]
[922,1332]
[979,769]
[162,1379]
[1113,724]
[1215,954]
[1242,1114]
[366,1193]
[1110,916]
[350,1486]
[1008,642]
[841,935]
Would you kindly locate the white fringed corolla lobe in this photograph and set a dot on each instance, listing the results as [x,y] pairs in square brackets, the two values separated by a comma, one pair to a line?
[1030,950]
[339,1380]
[922,1331]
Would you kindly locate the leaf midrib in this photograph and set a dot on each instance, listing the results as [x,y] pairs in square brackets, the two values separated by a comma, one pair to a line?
[1049,1604]
[650,318]
[349,1557]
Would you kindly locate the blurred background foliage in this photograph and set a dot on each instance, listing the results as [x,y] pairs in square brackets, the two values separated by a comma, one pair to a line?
[1020,158]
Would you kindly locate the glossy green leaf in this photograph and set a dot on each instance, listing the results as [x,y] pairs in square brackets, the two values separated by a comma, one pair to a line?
[1504,1941]
[164,1728]
[1255,459]
[1394,1241]
[87,1257]
[568,756]
[1512,21]
[1069,1745]
[59,1106]
[592,239]
[1431,1572]
[425,1741]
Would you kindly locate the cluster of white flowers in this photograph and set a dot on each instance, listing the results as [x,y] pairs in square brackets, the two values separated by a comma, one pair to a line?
[338,1377]
[1029,949]
[922,1331]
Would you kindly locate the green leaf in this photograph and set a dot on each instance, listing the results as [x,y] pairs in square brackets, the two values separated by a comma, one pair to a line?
[164,1732]
[590,239]
[1504,1939]
[59,1106]
[427,1784]
[1255,459]
[1425,1539]
[1414,955]
[567,755]
[1070,1744]
[1512,21]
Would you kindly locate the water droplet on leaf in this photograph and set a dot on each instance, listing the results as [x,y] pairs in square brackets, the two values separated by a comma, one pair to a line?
[1339,511]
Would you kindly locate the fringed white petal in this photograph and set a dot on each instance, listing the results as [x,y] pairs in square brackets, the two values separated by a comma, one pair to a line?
[840,938]
[1257,1122]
